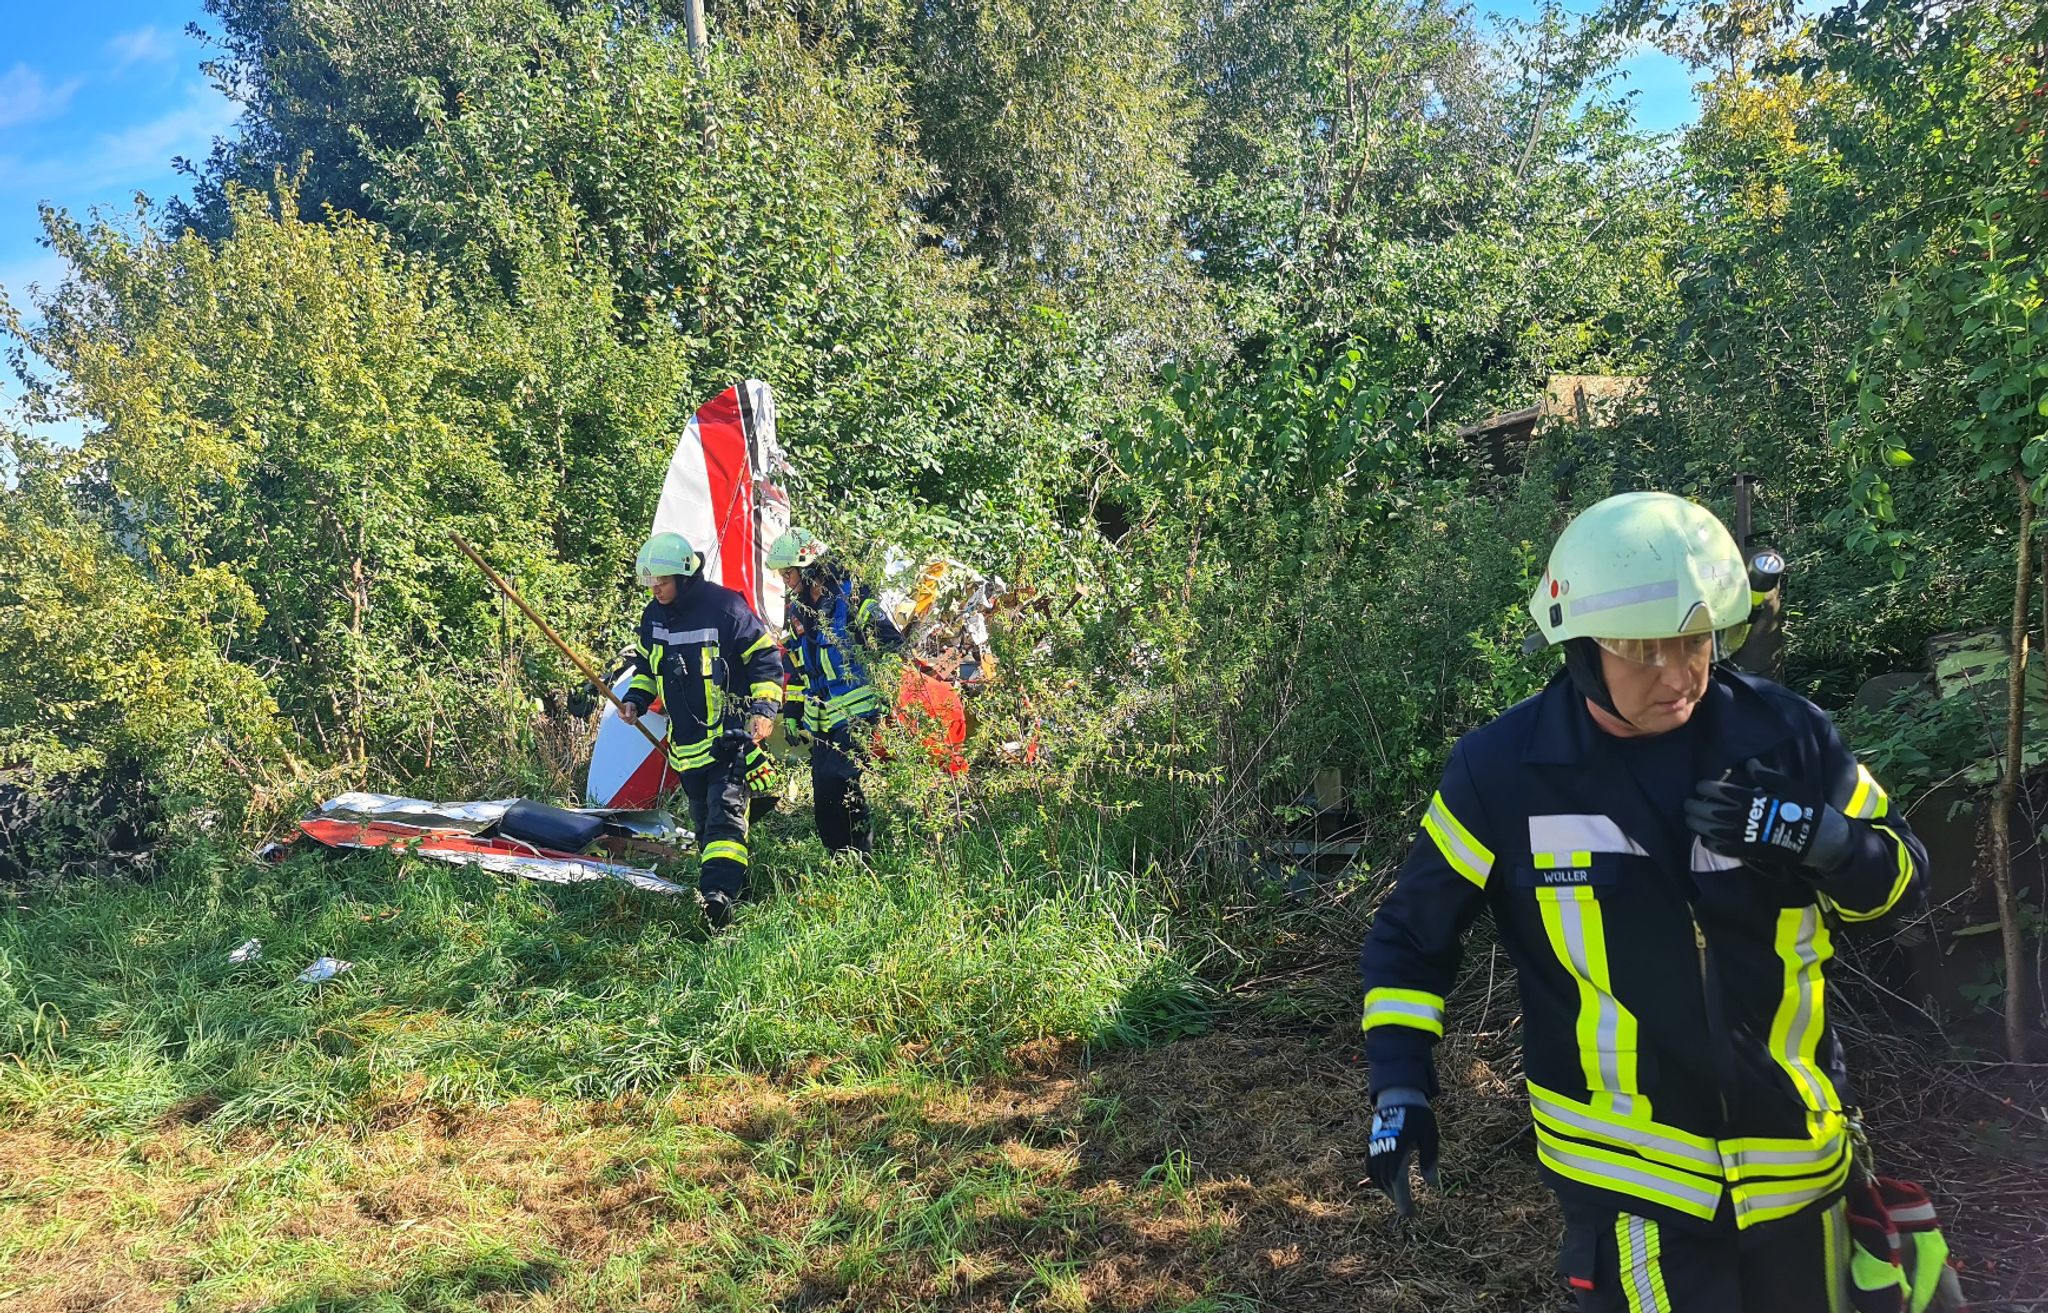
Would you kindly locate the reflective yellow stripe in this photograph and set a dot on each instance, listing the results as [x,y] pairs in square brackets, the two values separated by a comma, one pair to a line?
[1563,861]
[1930,1258]
[1834,1229]
[1405,1007]
[1873,1272]
[1868,802]
[767,690]
[1564,1115]
[857,703]
[726,849]
[759,643]
[1903,882]
[1469,857]
[1606,1029]
[641,684]
[1803,945]
[1642,1265]
[1758,1202]
[1626,1174]
[1761,1158]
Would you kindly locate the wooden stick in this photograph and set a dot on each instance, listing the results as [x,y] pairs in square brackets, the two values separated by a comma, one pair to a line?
[553,637]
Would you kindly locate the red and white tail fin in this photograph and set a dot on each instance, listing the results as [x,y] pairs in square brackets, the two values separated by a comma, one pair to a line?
[723,493]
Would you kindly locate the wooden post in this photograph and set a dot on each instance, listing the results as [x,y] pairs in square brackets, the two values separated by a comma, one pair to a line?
[2017,1012]
[693,22]
[604,689]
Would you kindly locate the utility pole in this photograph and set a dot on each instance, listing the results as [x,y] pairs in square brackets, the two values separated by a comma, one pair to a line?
[693,20]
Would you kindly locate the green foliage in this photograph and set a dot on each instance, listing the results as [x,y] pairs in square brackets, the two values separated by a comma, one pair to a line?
[110,658]
[1219,281]
[1862,316]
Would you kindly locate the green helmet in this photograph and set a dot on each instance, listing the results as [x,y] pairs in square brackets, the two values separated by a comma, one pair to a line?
[665,554]
[1640,567]
[795,549]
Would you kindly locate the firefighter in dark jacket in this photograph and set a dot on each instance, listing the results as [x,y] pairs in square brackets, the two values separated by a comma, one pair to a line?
[832,620]
[703,652]
[1667,847]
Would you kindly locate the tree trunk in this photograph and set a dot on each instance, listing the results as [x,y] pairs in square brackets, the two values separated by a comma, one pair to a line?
[2017,1013]
[360,595]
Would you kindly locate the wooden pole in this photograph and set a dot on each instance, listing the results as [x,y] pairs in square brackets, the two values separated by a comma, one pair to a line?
[552,636]
[2016,1009]
[693,24]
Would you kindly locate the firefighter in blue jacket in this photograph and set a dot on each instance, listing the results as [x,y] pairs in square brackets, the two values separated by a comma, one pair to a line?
[832,618]
[1667,847]
[704,653]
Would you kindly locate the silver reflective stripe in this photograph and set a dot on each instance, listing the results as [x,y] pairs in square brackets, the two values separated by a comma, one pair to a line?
[1646,1184]
[1751,1200]
[1706,859]
[1579,834]
[1639,1136]
[1811,1156]
[665,635]
[1381,1010]
[1607,601]
[1572,921]
[1912,1213]
[1642,1291]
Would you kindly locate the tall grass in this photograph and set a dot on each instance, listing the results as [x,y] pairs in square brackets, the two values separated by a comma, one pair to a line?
[118,1005]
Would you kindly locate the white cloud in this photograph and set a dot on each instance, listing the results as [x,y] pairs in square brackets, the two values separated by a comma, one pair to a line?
[25,97]
[143,45]
[132,158]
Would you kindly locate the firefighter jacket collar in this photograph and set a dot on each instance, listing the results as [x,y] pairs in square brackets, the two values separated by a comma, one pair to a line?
[1738,721]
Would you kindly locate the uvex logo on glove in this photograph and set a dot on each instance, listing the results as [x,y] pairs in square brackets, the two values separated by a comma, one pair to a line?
[1775,821]
[1765,816]
[1400,1132]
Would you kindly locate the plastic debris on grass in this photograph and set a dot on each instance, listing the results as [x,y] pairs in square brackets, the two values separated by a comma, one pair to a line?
[467,834]
[326,968]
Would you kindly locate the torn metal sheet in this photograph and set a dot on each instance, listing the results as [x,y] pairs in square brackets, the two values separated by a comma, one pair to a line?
[478,817]
[466,817]
[503,856]
[554,870]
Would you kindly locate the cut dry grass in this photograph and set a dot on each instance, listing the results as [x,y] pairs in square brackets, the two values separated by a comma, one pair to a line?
[1219,1174]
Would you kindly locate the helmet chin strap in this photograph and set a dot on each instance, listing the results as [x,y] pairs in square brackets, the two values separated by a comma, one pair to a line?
[1582,663]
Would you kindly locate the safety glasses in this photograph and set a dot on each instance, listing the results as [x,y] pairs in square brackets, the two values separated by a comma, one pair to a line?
[1684,649]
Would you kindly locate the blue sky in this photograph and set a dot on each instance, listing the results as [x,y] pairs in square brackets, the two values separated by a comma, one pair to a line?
[96,101]
[94,104]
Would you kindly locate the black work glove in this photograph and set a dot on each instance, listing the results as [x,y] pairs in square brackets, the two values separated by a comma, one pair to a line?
[1765,817]
[1400,1132]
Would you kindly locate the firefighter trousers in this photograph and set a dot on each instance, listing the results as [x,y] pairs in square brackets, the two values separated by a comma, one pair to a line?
[718,813]
[837,800]
[1616,1263]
